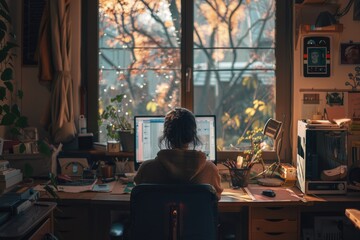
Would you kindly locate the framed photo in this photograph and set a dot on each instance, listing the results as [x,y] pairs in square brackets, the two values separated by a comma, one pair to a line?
[350,53]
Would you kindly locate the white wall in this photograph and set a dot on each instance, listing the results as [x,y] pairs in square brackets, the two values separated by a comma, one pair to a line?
[339,72]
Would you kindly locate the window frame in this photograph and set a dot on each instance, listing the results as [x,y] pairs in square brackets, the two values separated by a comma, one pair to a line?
[284,69]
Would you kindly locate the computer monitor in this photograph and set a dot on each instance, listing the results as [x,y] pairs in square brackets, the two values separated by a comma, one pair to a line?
[148,130]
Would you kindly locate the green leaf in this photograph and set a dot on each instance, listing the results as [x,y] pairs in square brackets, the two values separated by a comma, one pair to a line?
[15,131]
[44,148]
[3,26]
[2,35]
[8,119]
[22,122]
[117,98]
[2,93]
[15,110]
[5,15]
[51,191]
[9,86]
[4,5]
[7,74]
[6,108]
[22,148]
[3,54]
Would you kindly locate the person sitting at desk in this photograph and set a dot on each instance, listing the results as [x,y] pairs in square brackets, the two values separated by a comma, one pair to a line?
[177,163]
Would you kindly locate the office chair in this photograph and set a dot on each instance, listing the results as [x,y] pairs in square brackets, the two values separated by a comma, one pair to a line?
[174,211]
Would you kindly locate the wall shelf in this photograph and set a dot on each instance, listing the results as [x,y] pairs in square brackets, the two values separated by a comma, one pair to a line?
[305,28]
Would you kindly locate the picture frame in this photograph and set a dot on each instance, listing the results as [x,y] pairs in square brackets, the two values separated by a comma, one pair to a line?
[350,53]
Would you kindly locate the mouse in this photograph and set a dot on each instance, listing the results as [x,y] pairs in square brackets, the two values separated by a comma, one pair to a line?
[269,193]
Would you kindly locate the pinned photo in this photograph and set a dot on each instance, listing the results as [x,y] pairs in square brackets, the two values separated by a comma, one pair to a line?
[350,53]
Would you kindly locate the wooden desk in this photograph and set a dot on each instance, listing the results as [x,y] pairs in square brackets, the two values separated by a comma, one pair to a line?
[33,223]
[88,215]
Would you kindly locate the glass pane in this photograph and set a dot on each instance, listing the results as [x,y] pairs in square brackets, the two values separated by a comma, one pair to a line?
[139,55]
[234,65]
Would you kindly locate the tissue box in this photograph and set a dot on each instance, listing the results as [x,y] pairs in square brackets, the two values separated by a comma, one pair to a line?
[85,141]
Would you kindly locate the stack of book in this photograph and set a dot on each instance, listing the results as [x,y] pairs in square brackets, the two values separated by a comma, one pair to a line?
[16,201]
[9,177]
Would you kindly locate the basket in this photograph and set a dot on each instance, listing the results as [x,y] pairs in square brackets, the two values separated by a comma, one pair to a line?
[239,177]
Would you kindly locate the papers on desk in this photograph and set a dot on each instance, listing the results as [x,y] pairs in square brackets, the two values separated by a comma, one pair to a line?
[241,194]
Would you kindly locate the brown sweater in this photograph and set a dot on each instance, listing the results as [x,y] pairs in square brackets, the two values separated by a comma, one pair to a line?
[179,166]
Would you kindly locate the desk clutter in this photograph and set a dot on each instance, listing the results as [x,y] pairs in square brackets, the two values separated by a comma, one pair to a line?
[16,201]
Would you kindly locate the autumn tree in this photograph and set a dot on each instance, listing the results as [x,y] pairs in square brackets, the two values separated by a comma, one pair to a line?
[234,59]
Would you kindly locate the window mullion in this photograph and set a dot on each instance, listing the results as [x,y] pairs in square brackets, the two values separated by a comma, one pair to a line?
[187,62]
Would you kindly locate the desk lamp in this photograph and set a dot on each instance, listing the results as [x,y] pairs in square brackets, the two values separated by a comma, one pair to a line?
[273,129]
[326,18]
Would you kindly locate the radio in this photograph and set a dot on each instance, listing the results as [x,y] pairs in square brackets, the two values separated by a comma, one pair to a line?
[320,149]
[326,187]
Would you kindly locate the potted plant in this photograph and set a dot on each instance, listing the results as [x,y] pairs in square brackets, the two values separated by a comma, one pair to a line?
[117,124]
[10,115]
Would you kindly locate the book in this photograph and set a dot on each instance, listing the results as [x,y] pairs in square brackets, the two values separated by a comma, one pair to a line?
[8,202]
[6,174]
[21,206]
[21,191]
[4,184]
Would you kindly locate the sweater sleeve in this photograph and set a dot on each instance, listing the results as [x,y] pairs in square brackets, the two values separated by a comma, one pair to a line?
[217,183]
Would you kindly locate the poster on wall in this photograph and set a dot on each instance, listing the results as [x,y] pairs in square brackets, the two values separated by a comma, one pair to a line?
[316,56]
[350,53]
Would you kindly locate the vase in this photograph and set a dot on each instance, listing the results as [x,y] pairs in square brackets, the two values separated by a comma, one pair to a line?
[126,139]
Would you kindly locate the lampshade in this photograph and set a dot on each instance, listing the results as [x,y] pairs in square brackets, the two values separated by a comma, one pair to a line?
[325,19]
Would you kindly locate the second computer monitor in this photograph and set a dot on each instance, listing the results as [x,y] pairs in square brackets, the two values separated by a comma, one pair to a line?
[148,130]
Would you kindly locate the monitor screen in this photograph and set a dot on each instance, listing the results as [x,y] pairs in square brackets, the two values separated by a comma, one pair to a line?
[149,129]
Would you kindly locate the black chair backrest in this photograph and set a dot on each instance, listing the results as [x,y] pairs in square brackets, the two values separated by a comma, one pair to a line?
[173,212]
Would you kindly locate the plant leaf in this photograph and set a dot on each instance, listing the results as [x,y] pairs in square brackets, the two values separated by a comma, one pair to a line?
[3,26]
[2,93]
[22,122]
[44,148]
[15,110]
[9,86]
[7,74]
[22,148]
[8,119]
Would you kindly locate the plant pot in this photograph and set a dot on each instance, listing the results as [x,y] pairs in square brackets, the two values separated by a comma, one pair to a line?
[113,146]
[126,139]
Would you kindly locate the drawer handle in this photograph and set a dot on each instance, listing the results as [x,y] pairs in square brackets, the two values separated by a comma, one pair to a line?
[274,233]
[274,220]
[274,208]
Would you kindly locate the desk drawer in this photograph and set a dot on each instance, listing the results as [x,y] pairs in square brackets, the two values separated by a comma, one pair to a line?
[42,230]
[290,213]
[274,236]
[273,226]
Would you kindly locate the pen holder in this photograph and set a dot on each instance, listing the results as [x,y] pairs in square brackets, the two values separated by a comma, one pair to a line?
[124,167]
[239,177]
[107,171]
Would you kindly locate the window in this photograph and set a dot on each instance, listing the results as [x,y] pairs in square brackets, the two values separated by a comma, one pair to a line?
[217,57]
